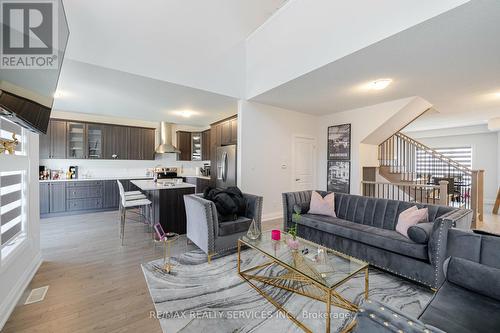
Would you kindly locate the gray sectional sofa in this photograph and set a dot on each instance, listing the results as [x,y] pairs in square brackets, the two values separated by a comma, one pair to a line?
[365,228]
[468,301]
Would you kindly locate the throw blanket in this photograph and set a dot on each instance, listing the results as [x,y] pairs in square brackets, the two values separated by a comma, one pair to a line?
[230,202]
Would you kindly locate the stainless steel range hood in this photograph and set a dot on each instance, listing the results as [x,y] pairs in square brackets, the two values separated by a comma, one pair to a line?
[166,145]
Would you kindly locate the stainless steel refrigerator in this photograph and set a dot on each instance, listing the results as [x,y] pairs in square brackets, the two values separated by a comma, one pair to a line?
[226,166]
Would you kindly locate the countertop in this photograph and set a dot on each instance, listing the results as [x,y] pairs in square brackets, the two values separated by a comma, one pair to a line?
[93,179]
[149,185]
[114,178]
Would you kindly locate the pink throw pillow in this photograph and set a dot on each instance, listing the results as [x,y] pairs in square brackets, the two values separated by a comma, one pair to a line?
[410,217]
[322,206]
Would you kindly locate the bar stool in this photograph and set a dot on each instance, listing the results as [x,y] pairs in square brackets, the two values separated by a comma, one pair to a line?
[133,201]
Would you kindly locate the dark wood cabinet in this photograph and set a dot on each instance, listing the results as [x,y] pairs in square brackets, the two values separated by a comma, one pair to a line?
[115,142]
[54,143]
[44,198]
[205,145]
[57,197]
[234,131]
[80,140]
[184,145]
[148,144]
[135,144]
[226,133]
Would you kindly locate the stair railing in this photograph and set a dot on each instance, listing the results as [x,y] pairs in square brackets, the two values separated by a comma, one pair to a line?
[417,163]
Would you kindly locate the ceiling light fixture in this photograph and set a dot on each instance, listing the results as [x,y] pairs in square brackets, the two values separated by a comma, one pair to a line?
[59,94]
[380,84]
[185,113]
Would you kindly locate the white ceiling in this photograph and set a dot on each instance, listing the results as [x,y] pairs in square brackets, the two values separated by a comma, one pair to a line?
[92,89]
[452,60]
[194,43]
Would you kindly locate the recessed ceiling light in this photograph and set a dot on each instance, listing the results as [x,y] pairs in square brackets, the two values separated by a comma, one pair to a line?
[185,113]
[380,84]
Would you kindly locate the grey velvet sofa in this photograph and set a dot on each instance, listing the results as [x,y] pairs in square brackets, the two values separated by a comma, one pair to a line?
[468,301]
[212,236]
[365,228]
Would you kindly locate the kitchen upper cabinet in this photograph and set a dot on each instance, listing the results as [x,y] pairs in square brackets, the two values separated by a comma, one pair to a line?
[148,144]
[184,145]
[53,144]
[135,144]
[77,145]
[234,131]
[226,133]
[205,145]
[115,142]
[95,137]
[80,140]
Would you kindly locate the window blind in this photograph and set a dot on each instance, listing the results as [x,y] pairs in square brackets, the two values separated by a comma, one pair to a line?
[427,165]
[11,205]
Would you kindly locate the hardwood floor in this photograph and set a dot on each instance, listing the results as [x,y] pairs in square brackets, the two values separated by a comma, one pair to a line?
[96,285]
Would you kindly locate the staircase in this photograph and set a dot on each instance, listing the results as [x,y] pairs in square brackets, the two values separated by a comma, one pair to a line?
[414,172]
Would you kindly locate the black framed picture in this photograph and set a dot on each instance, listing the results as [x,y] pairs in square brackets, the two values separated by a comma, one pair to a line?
[339,176]
[339,142]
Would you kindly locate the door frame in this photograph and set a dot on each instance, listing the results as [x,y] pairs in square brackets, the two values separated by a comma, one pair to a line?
[315,152]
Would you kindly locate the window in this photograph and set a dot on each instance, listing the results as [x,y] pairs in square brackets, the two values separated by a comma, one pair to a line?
[13,188]
[426,164]
[11,206]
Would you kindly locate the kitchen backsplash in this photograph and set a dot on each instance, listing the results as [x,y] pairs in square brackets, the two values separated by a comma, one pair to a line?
[122,168]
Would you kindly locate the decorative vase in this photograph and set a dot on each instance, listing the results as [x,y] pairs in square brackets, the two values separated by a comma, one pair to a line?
[254,231]
[293,244]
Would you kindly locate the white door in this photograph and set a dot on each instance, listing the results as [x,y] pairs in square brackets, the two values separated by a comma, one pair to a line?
[304,163]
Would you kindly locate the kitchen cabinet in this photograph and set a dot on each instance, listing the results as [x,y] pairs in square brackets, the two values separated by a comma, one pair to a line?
[195,146]
[115,142]
[44,198]
[57,197]
[184,145]
[200,183]
[205,145]
[53,144]
[111,196]
[234,131]
[77,145]
[81,140]
[226,133]
[148,144]
[135,143]
[94,141]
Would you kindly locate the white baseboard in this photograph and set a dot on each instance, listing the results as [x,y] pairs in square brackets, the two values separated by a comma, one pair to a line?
[9,303]
[272,216]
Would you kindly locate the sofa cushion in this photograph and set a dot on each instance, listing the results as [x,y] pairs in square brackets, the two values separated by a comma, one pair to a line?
[322,206]
[232,227]
[389,240]
[409,218]
[421,232]
[475,277]
[455,309]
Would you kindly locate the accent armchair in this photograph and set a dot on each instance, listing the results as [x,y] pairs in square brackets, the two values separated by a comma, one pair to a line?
[213,236]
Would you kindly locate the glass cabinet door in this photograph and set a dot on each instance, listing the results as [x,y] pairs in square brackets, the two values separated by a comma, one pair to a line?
[76,140]
[196,146]
[94,141]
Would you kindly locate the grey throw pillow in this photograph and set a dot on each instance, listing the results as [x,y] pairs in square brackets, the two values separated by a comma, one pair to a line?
[420,233]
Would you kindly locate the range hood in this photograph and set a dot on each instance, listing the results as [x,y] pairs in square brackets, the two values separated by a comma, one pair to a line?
[166,145]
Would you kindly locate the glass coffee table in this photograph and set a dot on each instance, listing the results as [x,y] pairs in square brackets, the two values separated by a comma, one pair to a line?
[312,270]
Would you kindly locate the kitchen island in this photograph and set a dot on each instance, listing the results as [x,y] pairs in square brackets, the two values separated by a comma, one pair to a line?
[168,202]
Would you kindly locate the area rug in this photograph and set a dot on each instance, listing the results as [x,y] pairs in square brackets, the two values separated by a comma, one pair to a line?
[201,297]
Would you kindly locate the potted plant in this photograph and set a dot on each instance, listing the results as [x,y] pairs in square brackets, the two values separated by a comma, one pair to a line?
[293,242]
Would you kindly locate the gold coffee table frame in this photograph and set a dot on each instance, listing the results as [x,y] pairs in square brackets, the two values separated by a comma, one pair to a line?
[296,281]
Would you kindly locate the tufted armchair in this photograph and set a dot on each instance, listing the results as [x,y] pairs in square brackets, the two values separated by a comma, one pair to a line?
[212,236]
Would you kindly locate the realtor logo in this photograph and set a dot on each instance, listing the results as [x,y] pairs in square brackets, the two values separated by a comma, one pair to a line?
[29,34]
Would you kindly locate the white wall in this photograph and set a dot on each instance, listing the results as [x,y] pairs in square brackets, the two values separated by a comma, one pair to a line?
[364,123]
[302,36]
[17,270]
[265,144]
[485,153]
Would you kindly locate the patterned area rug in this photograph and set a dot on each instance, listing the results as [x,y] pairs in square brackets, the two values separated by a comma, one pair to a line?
[201,297]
